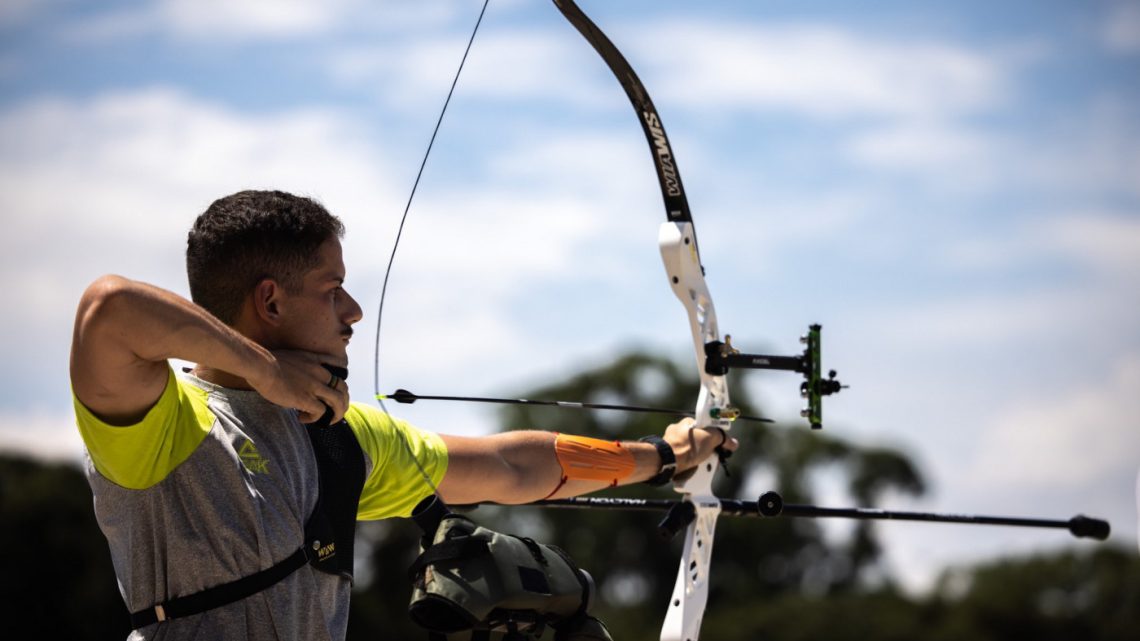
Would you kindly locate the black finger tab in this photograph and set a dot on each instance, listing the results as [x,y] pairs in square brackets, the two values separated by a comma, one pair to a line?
[342,374]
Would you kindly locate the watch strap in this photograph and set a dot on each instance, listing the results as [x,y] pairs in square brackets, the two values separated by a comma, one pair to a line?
[668,460]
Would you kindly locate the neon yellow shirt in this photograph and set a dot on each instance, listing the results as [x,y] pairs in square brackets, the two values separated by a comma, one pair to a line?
[215,484]
[141,455]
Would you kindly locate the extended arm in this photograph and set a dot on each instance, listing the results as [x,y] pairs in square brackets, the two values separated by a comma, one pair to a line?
[520,467]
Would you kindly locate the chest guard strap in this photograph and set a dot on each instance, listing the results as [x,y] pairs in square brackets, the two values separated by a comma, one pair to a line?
[329,532]
[331,529]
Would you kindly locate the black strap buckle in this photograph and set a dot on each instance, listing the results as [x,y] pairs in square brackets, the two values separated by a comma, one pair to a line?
[219,595]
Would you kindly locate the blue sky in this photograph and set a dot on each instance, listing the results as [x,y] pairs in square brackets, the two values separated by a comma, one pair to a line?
[951,189]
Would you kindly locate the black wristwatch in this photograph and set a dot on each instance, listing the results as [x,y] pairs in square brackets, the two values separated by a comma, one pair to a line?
[668,460]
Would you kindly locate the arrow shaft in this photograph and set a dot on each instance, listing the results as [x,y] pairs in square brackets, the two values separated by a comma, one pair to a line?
[402,396]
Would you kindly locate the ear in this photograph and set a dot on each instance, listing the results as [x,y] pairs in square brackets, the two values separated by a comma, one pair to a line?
[267,301]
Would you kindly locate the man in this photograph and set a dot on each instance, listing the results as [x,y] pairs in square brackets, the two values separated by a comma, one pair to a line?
[210,479]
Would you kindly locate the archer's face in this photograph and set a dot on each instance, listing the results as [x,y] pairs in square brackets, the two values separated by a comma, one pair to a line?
[319,318]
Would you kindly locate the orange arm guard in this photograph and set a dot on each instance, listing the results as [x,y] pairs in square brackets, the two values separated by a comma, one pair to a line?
[593,459]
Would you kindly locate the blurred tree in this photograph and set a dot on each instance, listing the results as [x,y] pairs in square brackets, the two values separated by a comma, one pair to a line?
[635,570]
[57,581]
[1090,594]
[385,550]
[776,579]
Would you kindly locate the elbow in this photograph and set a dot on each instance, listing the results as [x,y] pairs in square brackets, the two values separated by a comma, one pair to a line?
[98,302]
[102,289]
[512,467]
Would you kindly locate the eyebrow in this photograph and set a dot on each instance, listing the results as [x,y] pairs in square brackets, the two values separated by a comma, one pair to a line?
[331,276]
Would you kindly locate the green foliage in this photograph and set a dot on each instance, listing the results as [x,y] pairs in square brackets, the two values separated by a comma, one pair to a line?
[777,579]
[756,561]
[1093,594]
[57,581]
[883,615]
[380,602]
[794,453]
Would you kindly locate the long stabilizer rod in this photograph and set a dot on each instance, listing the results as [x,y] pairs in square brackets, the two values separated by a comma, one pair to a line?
[770,504]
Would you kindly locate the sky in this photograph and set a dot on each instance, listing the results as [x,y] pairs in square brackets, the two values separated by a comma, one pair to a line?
[951,189]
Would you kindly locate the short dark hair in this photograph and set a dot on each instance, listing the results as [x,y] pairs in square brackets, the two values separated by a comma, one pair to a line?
[249,236]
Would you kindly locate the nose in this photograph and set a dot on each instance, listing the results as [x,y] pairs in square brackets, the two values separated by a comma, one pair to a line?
[351,312]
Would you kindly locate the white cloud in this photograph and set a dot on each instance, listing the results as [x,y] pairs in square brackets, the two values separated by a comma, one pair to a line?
[1102,241]
[819,71]
[1093,147]
[505,66]
[255,17]
[14,12]
[212,19]
[499,245]
[118,179]
[48,435]
[1121,29]
[111,184]
[1074,439]
[1109,243]
[216,19]
[925,146]
[1094,307]
[982,322]
[1043,454]
[219,20]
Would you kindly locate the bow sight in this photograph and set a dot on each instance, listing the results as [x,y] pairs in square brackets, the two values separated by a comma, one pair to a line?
[722,356]
[698,510]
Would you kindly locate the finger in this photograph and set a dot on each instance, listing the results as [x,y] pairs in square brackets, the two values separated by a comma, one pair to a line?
[341,408]
[720,431]
[727,442]
[719,439]
[311,413]
[335,398]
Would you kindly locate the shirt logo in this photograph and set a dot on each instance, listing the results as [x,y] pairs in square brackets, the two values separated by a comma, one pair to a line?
[252,459]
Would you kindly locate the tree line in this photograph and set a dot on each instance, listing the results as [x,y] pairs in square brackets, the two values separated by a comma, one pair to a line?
[783,579]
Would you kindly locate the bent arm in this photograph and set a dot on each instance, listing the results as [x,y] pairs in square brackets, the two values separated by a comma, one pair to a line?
[521,467]
[124,333]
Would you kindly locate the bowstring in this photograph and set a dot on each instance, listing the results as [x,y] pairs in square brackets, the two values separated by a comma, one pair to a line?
[395,245]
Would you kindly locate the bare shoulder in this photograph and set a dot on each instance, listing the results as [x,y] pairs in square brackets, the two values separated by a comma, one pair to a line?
[107,375]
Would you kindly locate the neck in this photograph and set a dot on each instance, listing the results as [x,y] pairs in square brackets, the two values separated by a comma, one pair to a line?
[218,377]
